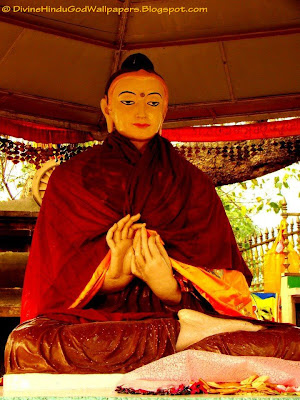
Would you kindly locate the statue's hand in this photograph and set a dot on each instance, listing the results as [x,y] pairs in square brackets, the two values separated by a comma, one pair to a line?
[120,239]
[151,263]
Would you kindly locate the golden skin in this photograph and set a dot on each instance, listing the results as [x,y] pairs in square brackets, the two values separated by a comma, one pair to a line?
[136,106]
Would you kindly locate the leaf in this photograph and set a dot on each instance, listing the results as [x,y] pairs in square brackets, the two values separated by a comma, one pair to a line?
[286,185]
[243,210]
[275,207]
[286,177]
[244,185]
[260,207]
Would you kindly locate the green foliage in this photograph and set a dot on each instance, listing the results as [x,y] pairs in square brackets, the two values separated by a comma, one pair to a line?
[264,194]
[241,223]
[14,178]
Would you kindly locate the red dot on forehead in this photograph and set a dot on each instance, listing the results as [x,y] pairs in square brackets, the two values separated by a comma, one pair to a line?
[142,94]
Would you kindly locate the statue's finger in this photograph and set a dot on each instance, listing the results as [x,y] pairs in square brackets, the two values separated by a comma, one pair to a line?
[128,225]
[163,251]
[117,235]
[135,218]
[110,236]
[127,261]
[134,228]
[122,222]
[125,229]
[145,247]
[137,243]
[153,247]
[137,226]
[140,261]
[135,268]
[130,233]
[135,240]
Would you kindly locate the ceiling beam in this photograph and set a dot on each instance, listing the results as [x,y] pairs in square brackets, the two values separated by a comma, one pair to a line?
[49,121]
[121,38]
[223,119]
[214,38]
[7,94]
[66,114]
[291,96]
[8,18]
[226,70]
[248,109]
[55,31]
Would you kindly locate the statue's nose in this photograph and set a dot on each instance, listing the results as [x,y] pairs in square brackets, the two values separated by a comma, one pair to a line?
[141,109]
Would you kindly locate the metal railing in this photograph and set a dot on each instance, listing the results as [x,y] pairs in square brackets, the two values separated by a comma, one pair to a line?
[255,248]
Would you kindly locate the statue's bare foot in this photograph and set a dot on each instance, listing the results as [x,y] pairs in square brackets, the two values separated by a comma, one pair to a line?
[195,326]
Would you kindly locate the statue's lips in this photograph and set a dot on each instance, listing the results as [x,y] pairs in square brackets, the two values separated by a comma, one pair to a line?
[142,125]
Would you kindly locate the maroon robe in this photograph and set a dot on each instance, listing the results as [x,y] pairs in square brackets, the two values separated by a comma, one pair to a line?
[95,189]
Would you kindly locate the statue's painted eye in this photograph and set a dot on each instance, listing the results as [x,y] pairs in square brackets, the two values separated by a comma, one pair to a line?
[153,103]
[127,102]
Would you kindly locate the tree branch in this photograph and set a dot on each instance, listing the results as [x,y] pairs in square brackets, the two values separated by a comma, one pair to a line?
[4,181]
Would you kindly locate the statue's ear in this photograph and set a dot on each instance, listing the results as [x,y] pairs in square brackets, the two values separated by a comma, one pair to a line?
[164,116]
[106,111]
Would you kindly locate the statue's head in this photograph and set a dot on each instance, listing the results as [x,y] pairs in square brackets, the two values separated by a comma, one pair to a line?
[136,100]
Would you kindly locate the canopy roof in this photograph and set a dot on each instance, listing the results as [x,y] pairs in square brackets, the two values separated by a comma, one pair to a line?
[239,60]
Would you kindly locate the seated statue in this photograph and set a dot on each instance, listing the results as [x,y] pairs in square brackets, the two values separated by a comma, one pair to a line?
[131,236]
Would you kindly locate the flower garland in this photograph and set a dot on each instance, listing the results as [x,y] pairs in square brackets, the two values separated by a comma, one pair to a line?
[254,385]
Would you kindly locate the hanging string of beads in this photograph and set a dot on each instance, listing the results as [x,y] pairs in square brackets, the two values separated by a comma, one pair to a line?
[239,150]
[38,153]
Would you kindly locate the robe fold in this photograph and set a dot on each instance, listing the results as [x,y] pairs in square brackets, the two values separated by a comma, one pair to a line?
[95,189]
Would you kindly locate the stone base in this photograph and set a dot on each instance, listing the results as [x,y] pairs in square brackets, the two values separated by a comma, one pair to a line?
[35,385]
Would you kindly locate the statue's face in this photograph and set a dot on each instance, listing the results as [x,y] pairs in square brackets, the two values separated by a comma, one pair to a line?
[137,104]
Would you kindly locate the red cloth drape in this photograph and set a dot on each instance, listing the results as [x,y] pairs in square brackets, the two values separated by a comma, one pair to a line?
[262,130]
[95,189]
[41,133]
[47,134]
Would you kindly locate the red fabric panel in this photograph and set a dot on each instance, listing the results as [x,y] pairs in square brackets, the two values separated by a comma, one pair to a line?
[41,133]
[47,134]
[237,132]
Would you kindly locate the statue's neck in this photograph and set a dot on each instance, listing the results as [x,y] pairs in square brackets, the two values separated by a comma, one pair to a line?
[140,144]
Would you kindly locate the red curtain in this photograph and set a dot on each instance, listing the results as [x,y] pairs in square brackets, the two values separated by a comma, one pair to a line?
[47,134]
[261,130]
[41,133]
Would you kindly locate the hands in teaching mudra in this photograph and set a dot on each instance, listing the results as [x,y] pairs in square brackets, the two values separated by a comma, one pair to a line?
[134,254]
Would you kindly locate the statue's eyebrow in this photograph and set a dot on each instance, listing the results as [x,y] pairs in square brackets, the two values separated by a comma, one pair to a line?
[126,91]
[155,93]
